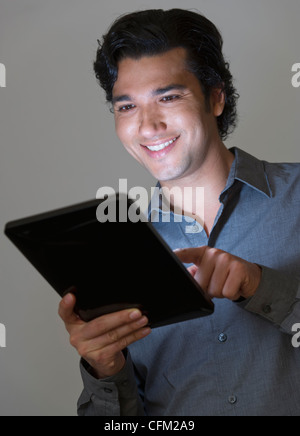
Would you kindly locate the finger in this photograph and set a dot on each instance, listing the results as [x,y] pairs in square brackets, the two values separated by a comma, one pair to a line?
[232,287]
[107,323]
[66,309]
[193,270]
[218,280]
[205,272]
[124,342]
[118,335]
[191,255]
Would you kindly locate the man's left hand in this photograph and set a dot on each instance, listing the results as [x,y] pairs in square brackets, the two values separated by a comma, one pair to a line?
[220,274]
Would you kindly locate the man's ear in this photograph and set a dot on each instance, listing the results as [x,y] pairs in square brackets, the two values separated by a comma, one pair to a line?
[217,101]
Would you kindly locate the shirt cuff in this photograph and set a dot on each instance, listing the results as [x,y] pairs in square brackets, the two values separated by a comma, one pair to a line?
[112,396]
[275,297]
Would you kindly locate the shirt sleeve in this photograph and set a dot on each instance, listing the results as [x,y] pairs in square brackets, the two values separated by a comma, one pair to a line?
[113,396]
[277,299]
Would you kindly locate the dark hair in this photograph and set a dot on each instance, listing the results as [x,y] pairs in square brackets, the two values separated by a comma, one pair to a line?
[153,32]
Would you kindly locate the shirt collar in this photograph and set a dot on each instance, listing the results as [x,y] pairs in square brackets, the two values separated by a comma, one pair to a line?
[245,168]
[249,170]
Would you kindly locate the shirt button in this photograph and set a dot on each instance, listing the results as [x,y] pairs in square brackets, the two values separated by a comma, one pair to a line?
[267,309]
[232,399]
[223,337]
[108,391]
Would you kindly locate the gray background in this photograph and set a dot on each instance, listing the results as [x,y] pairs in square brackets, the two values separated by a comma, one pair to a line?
[58,146]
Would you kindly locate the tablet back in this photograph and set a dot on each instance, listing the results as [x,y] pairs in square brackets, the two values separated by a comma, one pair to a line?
[109,265]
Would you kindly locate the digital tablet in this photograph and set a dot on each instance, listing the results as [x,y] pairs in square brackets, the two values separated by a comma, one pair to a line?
[112,259]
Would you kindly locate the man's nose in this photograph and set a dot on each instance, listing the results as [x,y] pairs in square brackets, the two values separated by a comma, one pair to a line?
[151,123]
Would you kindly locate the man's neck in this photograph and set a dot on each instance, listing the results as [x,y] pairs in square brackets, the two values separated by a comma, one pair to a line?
[202,205]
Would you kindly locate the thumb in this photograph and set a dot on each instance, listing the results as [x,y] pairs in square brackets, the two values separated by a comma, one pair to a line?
[66,309]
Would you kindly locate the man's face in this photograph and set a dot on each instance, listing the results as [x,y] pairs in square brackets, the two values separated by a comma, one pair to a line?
[162,117]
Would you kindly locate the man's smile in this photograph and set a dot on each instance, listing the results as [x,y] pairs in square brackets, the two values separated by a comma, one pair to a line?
[160,149]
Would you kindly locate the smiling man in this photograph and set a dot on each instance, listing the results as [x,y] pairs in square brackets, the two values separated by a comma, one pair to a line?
[174,103]
[165,116]
[168,125]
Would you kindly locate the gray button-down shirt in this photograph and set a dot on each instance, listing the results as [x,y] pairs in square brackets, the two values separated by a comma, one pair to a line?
[239,361]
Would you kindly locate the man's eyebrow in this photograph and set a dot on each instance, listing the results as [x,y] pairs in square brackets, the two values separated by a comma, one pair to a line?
[121,98]
[173,87]
[159,91]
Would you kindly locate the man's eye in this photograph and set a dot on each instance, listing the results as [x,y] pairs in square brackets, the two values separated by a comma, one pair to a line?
[126,108]
[170,98]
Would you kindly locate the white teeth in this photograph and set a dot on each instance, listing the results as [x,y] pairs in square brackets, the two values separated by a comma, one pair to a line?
[162,146]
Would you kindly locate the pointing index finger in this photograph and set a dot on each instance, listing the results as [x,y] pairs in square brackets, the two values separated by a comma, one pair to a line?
[191,255]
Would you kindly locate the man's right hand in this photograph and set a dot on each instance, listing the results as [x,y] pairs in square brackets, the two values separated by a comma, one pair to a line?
[100,342]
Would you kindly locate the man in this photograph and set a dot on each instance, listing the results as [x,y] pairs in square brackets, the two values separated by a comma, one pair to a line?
[174,103]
